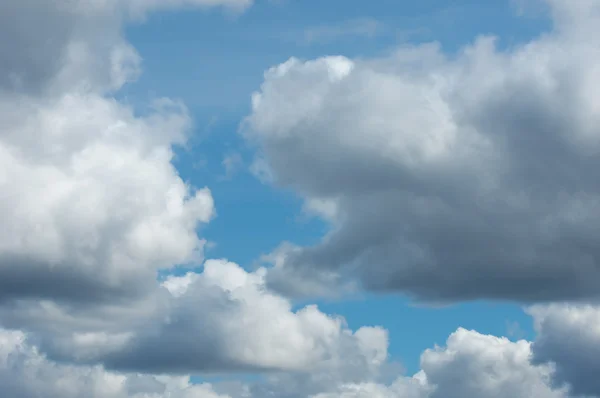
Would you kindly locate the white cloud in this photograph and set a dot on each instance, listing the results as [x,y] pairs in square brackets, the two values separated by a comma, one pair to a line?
[92,208]
[471,364]
[440,168]
[91,205]
[223,319]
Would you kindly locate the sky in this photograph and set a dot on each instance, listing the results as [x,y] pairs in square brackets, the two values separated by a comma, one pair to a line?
[299,199]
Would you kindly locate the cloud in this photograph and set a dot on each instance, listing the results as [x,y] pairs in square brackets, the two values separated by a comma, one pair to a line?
[225,319]
[232,162]
[91,205]
[470,364]
[57,46]
[446,177]
[25,373]
[362,27]
[143,6]
[569,337]
[458,369]
[221,320]
[92,209]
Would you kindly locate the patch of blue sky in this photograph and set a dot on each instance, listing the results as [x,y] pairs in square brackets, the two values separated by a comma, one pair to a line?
[413,328]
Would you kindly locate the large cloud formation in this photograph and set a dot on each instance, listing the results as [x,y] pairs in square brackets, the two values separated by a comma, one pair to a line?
[92,209]
[91,205]
[470,365]
[447,177]
[24,373]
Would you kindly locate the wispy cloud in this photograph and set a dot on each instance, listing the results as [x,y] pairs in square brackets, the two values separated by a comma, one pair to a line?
[363,27]
[232,163]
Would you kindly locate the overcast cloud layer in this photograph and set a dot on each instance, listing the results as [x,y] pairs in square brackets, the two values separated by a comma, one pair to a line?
[448,178]
[419,159]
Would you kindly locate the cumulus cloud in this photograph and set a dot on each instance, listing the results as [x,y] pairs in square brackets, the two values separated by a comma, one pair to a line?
[447,177]
[91,205]
[25,373]
[569,337]
[225,319]
[221,320]
[471,364]
[142,6]
[92,208]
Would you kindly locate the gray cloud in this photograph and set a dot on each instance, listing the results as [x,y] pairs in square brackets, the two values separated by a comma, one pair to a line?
[568,337]
[221,320]
[448,178]
[26,60]
[24,373]
[92,208]
[91,205]
[470,364]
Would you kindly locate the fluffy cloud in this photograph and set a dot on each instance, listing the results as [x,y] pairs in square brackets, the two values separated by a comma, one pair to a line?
[448,178]
[92,208]
[569,337]
[223,319]
[470,365]
[91,205]
[486,366]
[25,373]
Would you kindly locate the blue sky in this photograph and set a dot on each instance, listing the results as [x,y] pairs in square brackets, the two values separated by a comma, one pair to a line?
[214,63]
